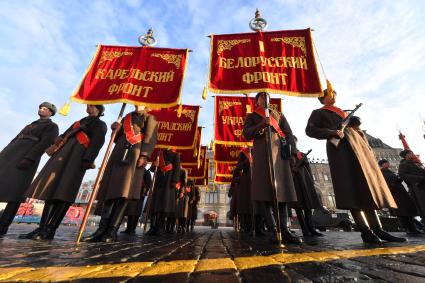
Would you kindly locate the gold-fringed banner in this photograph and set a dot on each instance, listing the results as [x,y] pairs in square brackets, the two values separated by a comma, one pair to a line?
[178,132]
[229,117]
[276,62]
[138,75]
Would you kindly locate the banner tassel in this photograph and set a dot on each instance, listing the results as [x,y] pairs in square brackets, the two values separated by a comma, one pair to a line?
[65,109]
[205,93]
[329,88]
[179,110]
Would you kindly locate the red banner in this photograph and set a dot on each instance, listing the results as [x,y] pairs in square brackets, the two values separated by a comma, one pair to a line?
[203,182]
[195,172]
[224,169]
[226,153]
[229,117]
[222,180]
[191,156]
[174,131]
[275,62]
[138,75]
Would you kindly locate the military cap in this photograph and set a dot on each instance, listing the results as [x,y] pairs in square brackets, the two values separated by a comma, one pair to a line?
[382,162]
[355,121]
[49,106]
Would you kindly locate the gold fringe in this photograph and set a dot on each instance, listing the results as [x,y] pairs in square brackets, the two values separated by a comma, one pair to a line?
[205,93]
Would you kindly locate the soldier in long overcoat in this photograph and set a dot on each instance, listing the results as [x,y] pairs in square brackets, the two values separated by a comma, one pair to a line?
[135,207]
[307,196]
[134,143]
[19,161]
[413,174]
[357,181]
[194,198]
[182,202]
[406,207]
[59,181]
[242,173]
[255,127]
[164,193]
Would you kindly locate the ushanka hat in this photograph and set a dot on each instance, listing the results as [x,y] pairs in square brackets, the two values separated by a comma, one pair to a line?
[49,106]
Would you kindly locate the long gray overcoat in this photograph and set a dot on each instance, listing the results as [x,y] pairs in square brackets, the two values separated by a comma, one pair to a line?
[30,143]
[357,180]
[261,186]
[61,177]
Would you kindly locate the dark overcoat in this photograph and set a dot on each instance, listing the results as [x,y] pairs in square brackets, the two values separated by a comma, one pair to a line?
[414,176]
[357,180]
[194,198]
[261,186]
[164,194]
[243,185]
[182,201]
[120,179]
[61,177]
[30,144]
[134,207]
[307,196]
[405,204]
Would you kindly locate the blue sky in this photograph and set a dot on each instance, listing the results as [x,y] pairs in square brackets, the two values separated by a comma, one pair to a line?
[372,51]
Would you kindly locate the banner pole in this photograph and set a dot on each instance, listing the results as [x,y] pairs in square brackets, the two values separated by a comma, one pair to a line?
[100,176]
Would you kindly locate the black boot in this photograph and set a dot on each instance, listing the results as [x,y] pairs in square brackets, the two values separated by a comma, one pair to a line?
[287,236]
[119,212]
[131,225]
[302,222]
[409,225]
[45,217]
[309,221]
[367,235]
[107,210]
[7,216]
[48,233]
[375,225]
[153,229]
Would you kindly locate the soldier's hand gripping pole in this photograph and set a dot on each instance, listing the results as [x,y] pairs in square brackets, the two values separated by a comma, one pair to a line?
[100,175]
[272,174]
[150,195]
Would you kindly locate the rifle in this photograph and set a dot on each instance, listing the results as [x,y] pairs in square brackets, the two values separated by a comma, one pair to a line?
[51,150]
[335,141]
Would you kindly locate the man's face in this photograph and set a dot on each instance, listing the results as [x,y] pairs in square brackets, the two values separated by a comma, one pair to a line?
[329,100]
[261,101]
[92,110]
[44,112]
[139,108]
[386,165]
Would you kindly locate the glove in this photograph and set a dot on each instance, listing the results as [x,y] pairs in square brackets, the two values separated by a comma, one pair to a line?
[86,165]
[115,125]
[25,164]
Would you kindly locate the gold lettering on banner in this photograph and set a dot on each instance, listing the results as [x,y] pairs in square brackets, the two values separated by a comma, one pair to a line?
[272,62]
[228,120]
[170,58]
[273,78]
[165,137]
[228,44]
[296,41]
[111,55]
[238,132]
[234,153]
[173,126]
[129,88]
[224,105]
[147,76]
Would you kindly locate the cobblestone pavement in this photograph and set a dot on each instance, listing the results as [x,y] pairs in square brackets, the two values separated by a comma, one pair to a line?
[208,255]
